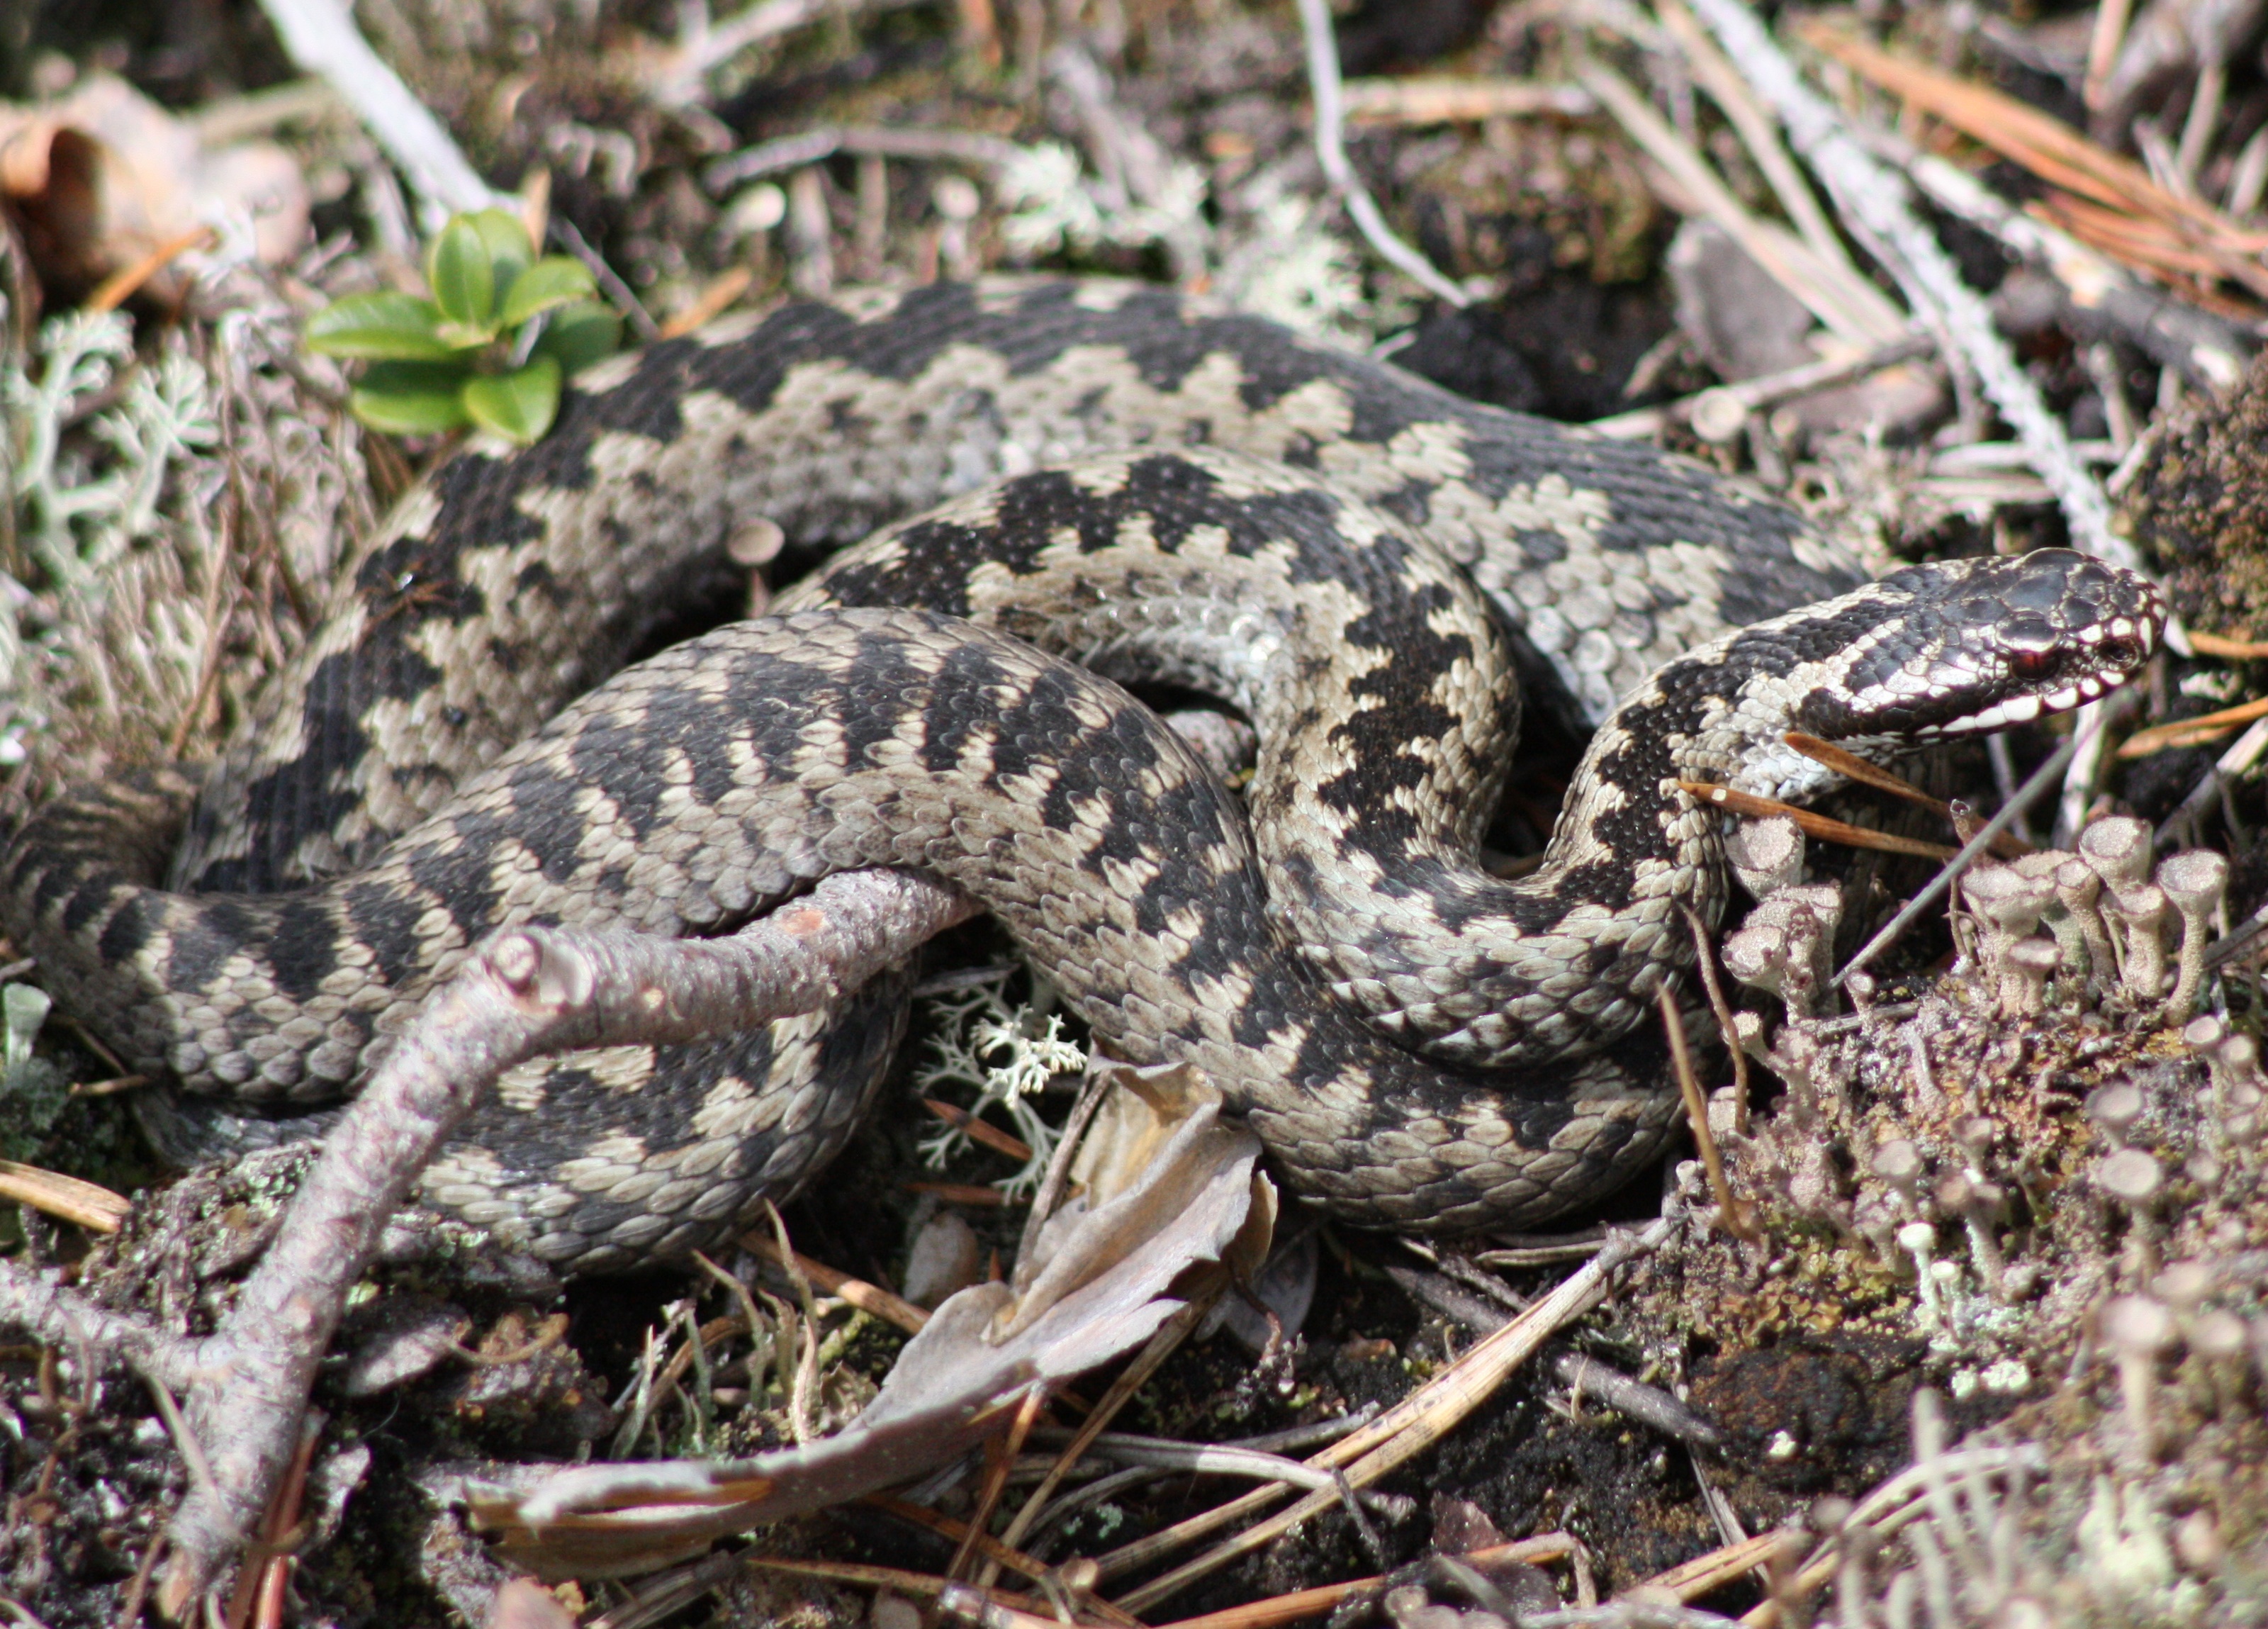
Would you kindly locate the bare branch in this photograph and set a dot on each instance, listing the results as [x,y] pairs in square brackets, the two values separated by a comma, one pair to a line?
[1878,199]
[528,992]
[1331,152]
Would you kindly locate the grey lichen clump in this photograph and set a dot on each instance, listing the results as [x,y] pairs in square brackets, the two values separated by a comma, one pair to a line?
[2048,1165]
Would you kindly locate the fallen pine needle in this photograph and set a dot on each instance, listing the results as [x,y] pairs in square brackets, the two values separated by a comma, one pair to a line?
[1290,1609]
[978,1129]
[1400,1435]
[2227,650]
[864,1296]
[83,1204]
[1734,1213]
[1824,827]
[121,285]
[711,302]
[1691,1579]
[2190,732]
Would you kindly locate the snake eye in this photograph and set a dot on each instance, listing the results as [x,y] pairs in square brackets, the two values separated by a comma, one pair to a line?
[2032,663]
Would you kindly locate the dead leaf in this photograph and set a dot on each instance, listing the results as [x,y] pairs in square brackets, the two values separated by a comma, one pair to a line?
[1160,1185]
[104,179]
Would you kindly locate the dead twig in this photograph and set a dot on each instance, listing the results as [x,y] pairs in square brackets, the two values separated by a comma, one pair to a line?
[1459,101]
[2035,783]
[527,992]
[321,37]
[1875,199]
[1330,153]
[1732,1211]
[1408,1428]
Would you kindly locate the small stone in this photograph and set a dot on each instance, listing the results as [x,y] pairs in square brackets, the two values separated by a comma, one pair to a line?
[945,1258]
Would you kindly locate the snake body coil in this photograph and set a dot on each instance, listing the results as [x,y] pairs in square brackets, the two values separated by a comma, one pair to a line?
[1419,1044]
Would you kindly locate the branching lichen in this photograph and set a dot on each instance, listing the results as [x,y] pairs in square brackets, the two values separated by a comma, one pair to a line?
[1008,1055]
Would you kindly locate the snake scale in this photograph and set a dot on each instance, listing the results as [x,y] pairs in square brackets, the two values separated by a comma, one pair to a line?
[1363,565]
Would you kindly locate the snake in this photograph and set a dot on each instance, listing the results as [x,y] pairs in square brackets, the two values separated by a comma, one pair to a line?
[1370,568]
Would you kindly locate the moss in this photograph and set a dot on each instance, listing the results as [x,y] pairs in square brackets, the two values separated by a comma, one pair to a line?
[2200,508]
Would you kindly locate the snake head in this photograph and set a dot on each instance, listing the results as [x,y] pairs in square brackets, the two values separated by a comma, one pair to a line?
[1966,647]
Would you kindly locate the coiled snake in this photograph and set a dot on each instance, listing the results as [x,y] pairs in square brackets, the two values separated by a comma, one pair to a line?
[1360,562]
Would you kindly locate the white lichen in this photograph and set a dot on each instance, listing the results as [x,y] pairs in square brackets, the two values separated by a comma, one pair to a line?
[1008,1055]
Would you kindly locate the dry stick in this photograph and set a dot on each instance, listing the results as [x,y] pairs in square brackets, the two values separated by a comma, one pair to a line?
[2242,753]
[81,1203]
[1169,1335]
[1719,411]
[997,1552]
[1443,100]
[866,1297]
[2102,49]
[1001,1455]
[1730,92]
[1330,153]
[1420,1420]
[2210,351]
[2227,650]
[2190,731]
[527,992]
[69,1321]
[1705,959]
[870,1577]
[1730,1211]
[1290,1609]
[2033,784]
[1850,307]
[321,37]
[1878,198]
[121,286]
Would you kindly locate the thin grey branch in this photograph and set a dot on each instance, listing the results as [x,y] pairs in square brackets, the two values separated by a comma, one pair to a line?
[1878,199]
[1331,152]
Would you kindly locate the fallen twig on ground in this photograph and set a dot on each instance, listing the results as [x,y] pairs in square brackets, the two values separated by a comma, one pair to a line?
[1718,413]
[529,991]
[1331,152]
[1397,1436]
[1876,200]
[2208,348]
[1458,101]
[321,38]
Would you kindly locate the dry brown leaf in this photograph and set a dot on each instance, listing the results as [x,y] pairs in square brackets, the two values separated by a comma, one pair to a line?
[1163,1185]
[104,179]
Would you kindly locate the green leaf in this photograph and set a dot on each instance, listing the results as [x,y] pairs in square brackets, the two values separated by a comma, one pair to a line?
[386,326]
[518,405]
[462,274]
[506,238]
[552,281]
[577,335]
[411,398]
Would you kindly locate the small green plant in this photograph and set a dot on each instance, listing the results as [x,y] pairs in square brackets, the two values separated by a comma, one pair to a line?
[492,347]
